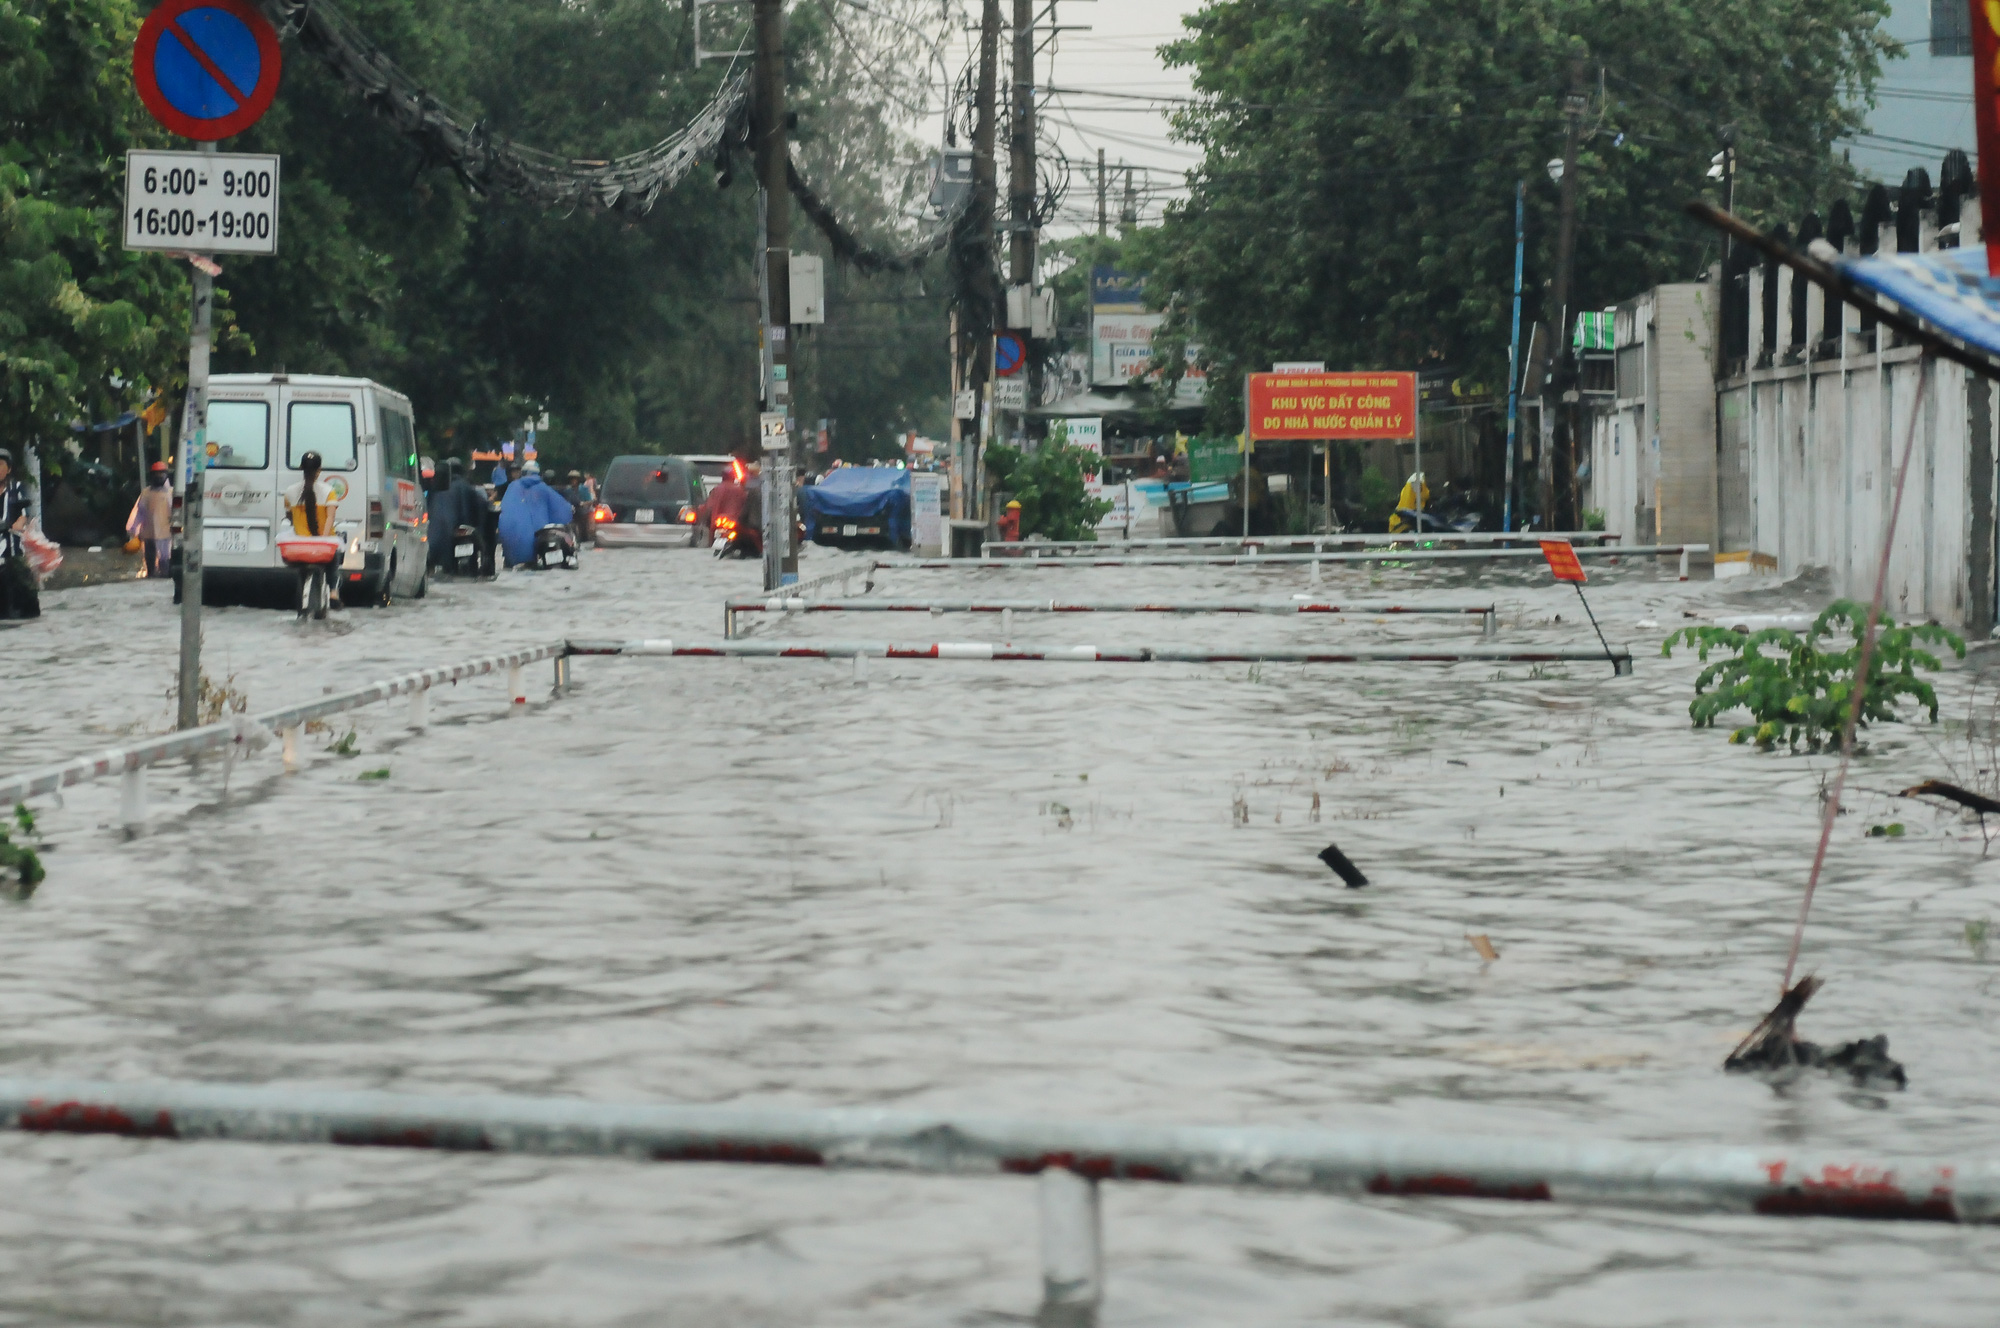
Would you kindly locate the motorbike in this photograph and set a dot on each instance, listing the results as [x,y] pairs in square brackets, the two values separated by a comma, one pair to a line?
[1433,522]
[464,560]
[555,545]
[736,537]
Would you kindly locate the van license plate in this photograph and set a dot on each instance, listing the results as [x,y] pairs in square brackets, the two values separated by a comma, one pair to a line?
[850,530]
[461,550]
[225,539]
[645,516]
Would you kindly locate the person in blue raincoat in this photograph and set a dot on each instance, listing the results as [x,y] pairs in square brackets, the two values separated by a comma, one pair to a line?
[528,506]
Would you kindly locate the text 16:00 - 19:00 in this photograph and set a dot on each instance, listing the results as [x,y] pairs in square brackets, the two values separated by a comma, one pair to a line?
[217,225]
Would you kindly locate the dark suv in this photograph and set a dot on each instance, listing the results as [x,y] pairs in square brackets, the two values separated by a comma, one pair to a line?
[648,500]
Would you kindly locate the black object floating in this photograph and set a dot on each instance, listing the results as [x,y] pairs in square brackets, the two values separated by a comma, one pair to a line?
[1774,1048]
[1345,870]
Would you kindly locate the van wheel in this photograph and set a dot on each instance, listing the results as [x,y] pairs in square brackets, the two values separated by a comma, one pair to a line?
[385,588]
[423,585]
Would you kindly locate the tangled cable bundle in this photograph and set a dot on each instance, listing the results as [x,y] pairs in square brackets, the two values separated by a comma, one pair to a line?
[486,162]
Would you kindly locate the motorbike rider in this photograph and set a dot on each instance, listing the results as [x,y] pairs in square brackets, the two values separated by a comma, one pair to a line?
[733,509]
[1415,498]
[529,505]
[309,506]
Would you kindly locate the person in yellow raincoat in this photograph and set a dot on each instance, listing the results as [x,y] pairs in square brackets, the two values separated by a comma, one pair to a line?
[1410,500]
[310,506]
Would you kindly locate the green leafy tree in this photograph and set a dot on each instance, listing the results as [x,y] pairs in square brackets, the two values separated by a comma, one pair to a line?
[1355,198]
[1049,484]
[1797,690]
[85,328]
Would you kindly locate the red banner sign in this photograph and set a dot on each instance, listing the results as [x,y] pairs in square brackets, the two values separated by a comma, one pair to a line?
[1986,112]
[1563,561]
[1315,406]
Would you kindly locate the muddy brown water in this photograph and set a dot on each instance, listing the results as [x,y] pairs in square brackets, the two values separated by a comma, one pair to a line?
[1025,889]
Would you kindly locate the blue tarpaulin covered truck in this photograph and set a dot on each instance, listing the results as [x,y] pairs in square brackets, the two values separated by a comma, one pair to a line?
[858,507]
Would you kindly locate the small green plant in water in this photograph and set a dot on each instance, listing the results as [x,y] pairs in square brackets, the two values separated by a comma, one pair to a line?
[20,865]
[346,745]
[1796,689]
[383,773]
[1893,830]
[1975,937]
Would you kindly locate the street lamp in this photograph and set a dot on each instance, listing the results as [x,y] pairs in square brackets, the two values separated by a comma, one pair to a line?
[1556,169]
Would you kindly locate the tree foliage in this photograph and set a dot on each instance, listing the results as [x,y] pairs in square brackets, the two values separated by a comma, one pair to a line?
[634,334]
[1049,484]
[77,315]
[1355,201]
[1803,691]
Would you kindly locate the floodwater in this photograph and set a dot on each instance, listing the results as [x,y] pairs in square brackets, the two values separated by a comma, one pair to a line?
[1055,890]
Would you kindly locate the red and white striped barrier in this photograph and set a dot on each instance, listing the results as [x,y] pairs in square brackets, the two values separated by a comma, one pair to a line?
[1355,540]
[1280,608]
[1254,559]
[1071,1158]
[1619,658]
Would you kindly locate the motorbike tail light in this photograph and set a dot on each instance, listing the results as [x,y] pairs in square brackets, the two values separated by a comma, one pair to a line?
[374,516]
[725,523]
[602,513]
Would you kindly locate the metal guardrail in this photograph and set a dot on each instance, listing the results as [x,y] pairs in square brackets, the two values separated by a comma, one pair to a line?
[1619,657]
[242,731]
[1351,540]
[1072,1158]
[1007,608]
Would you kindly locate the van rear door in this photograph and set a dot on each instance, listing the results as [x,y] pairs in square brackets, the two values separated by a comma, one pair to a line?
[327,420]
[239,486]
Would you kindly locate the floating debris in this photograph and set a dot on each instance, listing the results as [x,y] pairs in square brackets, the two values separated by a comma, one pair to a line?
[1345,870]
[1774,1047]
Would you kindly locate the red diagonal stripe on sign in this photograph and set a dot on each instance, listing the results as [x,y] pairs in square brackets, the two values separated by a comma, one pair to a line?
[208,66]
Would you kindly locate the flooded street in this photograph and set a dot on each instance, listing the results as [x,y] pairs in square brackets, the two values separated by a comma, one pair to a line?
[1053,890]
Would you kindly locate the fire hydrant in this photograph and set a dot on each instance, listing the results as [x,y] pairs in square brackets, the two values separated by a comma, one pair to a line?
[1010,522]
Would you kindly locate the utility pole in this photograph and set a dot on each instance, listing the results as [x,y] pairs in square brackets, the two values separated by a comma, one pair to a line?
[1021,184]
[1514,354]
[774,204]
[1561,383]
[1130,215]
[987,307]
[194,462]
[1103,217]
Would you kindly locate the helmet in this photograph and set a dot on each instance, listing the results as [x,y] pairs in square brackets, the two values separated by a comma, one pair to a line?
[532,468]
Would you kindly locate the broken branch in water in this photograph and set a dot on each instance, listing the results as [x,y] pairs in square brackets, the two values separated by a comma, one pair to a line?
[1775,1046]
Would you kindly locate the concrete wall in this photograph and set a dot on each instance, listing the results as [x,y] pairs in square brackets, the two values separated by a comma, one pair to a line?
[1653,455]
[1817,445]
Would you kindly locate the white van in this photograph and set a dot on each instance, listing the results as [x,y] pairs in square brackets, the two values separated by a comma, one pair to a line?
[259,425]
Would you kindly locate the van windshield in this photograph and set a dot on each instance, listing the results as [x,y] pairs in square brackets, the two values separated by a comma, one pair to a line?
[325,427]
[646,482]
[241,434]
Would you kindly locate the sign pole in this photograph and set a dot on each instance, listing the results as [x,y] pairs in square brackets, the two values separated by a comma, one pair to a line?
[1514,354]
[1417,422]
[194,444]
[1249,445]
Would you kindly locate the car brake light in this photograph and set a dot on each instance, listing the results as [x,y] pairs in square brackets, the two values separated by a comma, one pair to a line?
[602,513]
[687,516]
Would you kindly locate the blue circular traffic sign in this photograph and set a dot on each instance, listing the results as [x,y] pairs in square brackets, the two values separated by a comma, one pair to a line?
[207,69]
[1010,354]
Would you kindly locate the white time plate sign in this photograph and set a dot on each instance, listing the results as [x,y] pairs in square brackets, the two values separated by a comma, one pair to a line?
[201,202]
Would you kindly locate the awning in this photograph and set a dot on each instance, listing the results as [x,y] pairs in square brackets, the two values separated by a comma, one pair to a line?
[1110,403]
[1948,289]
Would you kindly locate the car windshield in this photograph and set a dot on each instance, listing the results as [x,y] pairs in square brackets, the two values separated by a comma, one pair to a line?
[645,482]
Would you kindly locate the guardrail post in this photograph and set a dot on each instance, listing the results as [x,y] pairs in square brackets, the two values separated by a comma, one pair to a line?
[1072,1247]
[1492,625]
[728,623]
[1006,624]
[420,704]
[1684,562]
[132,798]
[290,738]
[514,687]
[860,666]
[1315,572]
[562,674]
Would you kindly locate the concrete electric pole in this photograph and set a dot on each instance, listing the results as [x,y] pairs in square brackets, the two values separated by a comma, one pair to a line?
[1558,489]
[774,204]
[1021,190]
[985,305]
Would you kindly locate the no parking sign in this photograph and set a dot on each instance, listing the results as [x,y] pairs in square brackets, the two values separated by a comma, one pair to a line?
[207,69]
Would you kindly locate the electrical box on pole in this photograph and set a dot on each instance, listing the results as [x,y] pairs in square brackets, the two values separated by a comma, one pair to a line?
[808,288]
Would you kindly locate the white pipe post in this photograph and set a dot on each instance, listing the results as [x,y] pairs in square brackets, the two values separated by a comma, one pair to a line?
[291,747]
[562,674]
[1006,624]
[1684,562]
[420,707]
[860,666]
[132,799]
[1491,628]
[1072,1241]
[514,687]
